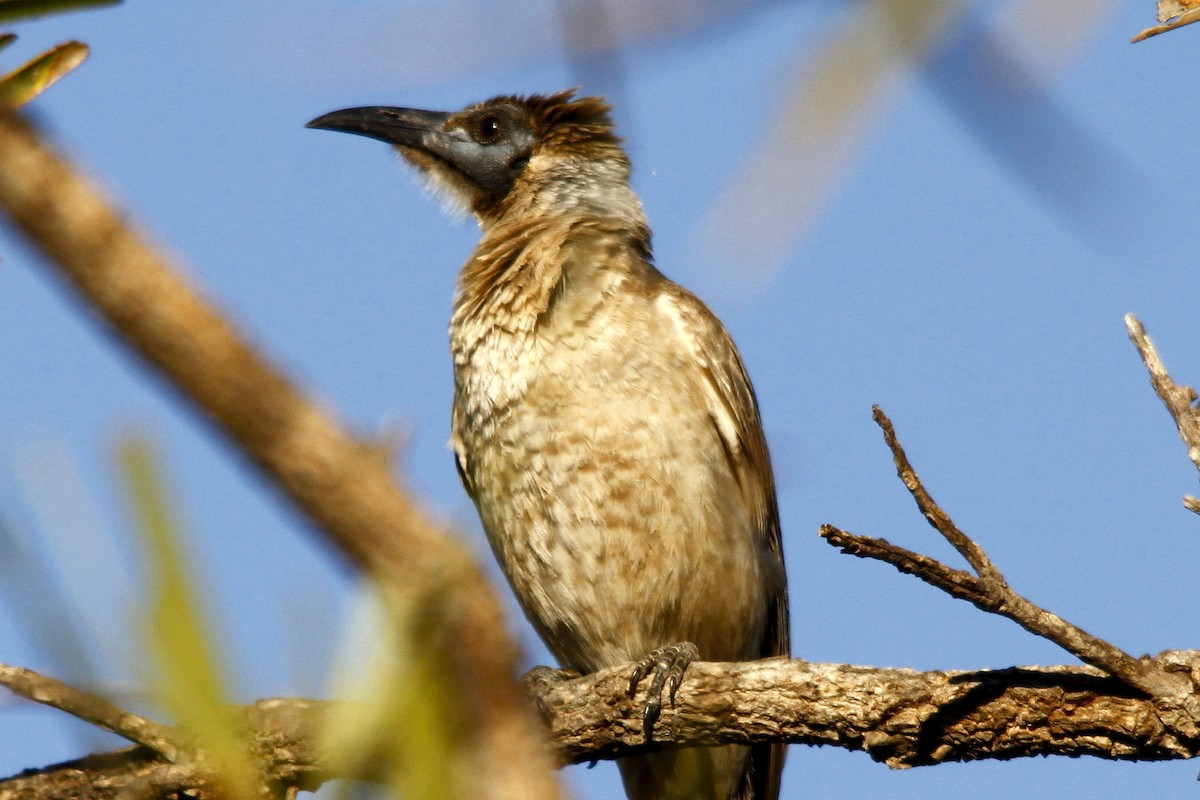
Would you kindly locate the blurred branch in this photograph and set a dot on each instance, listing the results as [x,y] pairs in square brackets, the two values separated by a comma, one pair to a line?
[279,736]
[986,82]
[90,708]
[48,618]
[819,123]
[341,483]
[13,10]
[990,592]
[1172,14]
[1179,400]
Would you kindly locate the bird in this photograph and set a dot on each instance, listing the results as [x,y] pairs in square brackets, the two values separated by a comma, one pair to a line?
[603,421]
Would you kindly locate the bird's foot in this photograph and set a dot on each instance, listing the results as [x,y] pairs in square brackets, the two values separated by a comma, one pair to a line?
[667,665]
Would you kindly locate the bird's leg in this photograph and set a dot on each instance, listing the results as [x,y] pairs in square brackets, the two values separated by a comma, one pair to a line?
[667,665]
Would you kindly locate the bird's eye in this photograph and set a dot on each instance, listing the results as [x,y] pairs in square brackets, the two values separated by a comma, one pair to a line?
[488,130]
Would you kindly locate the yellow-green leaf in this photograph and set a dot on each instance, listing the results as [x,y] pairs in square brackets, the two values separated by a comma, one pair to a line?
[25,9]
[397,722]
[27,82]
[189,679]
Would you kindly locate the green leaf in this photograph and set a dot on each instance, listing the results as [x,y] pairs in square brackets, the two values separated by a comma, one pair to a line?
[397,720]
[11,10]
[189,679]
[27,82]
[6,39]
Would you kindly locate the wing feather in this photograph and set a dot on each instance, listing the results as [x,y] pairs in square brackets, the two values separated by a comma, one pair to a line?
[734,411]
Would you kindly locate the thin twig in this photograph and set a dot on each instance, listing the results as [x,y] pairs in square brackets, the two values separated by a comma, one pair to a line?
[989,591]
[938,518]
[94,709]
[955,582]
[1179,400]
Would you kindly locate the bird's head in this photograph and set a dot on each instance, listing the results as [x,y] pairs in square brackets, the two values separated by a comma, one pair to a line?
[540,153]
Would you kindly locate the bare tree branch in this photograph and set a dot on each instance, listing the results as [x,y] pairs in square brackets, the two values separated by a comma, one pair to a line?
[900,717]
[989,591]
[280,735]
[933,513]
[1179,400]
[91,708]
[341,483]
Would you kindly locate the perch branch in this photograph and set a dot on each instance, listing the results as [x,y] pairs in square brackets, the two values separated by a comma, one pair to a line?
[900,717]
[1179,400]
[988,590]
[339,482]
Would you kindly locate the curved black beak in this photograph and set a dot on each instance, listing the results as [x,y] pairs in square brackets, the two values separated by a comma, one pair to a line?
[410,127]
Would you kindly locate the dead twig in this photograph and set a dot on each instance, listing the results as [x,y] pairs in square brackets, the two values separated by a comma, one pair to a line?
[94,709]
[1179,400]
[989,591]
[281,734]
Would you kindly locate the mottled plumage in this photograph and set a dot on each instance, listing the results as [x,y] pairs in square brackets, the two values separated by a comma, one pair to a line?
[603,421]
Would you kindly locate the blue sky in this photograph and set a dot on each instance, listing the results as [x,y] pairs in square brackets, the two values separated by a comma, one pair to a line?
[967,269]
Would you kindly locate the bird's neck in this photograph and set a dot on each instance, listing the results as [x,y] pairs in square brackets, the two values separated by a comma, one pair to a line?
[597,188]
[553,188]
[522,265]
[529,283]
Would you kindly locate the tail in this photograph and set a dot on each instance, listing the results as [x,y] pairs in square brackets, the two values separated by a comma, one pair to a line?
[730,772]
[761,779]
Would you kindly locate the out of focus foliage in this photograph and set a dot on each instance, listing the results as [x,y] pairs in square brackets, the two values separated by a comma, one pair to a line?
[41,72]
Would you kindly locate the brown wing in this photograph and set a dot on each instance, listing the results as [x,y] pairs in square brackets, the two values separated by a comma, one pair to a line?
[735,414]
[460,452]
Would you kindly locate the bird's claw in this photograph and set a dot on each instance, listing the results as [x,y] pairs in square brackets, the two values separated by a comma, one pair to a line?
[667,665]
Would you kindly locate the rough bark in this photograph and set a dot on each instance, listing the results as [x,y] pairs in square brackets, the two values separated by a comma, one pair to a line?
[900,717]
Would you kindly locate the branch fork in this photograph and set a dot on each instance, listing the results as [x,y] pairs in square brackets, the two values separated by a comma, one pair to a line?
[987,589]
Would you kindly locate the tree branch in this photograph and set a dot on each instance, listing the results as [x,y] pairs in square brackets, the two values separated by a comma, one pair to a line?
[280,735]
[91,708]
[900,717]
[989,591]
[932,512]
[340,483]
[1179,400]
